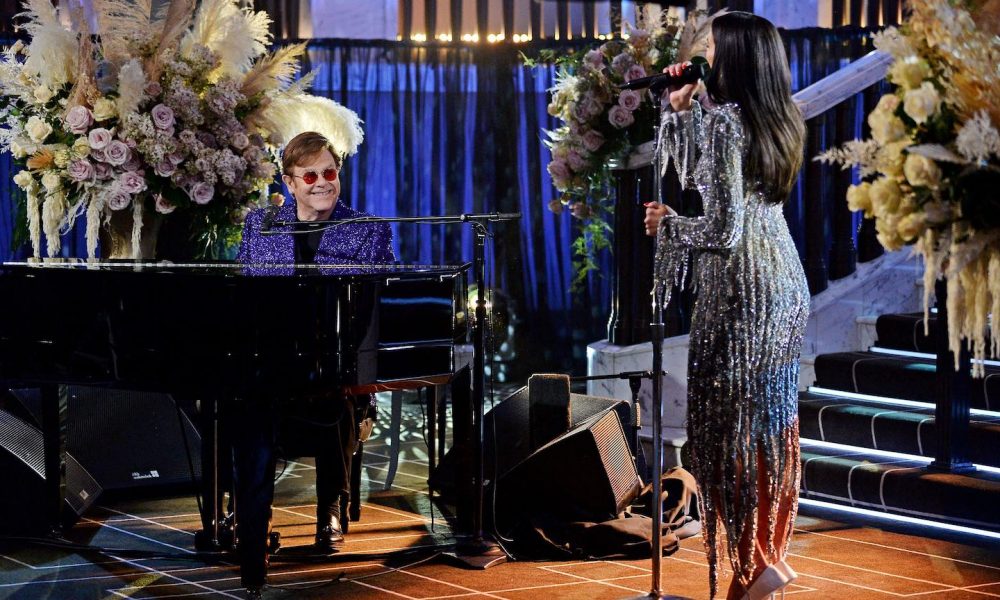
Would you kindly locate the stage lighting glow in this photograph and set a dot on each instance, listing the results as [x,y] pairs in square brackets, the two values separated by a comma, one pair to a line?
[900,518]
[884,453]
[891,401]
[925,355]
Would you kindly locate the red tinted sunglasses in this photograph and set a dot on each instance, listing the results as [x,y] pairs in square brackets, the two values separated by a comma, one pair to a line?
[311,177]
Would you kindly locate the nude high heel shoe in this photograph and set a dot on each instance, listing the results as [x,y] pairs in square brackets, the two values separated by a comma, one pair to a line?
[773,579]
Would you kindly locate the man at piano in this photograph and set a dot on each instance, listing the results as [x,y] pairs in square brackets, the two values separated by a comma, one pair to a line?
[311,167]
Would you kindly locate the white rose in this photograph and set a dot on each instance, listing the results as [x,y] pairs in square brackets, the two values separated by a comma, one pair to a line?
[17,150]
[922,103]
[61,157]
[43,94]
[921,171]
[885,196]
[909,72]
[24,180]
[104,109]
[51,182]
[37,129]
[886,127]
[857,198]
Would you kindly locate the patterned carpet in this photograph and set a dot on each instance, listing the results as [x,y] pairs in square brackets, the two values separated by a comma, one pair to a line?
[397,550]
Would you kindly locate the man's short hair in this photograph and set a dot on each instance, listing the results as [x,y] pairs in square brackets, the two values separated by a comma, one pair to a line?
[305,146]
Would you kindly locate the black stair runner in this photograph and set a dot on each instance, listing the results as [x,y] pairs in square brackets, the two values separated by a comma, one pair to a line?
[851,467]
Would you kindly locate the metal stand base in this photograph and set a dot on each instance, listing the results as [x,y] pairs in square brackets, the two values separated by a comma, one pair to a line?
[478,553]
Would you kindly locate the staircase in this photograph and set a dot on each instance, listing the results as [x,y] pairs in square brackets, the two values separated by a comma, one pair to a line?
[868,432]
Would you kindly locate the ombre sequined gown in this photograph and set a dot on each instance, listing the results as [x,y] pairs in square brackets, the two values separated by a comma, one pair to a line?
[746,332]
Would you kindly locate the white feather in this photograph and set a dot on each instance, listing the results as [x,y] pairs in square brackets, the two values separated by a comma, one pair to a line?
[131,86]
[236,36]
[52,52]
[337,123]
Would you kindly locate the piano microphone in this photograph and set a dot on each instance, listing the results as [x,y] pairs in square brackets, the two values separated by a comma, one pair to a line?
[267,222]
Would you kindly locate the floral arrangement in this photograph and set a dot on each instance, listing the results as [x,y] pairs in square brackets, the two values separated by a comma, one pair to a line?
[931,170]
[177,110]
[602,123]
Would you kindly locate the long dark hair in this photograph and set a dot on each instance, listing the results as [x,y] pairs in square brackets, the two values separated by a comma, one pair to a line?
[750,68]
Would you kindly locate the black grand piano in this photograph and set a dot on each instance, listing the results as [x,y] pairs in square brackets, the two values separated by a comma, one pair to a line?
[220,332]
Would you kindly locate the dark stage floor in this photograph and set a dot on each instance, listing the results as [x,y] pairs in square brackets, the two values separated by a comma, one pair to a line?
[834,559]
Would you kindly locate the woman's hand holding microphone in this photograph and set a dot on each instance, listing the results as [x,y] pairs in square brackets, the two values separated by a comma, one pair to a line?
[654,212]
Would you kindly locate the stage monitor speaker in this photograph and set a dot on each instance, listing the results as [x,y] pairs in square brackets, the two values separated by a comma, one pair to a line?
[507,439]
[588,473]
[115,440]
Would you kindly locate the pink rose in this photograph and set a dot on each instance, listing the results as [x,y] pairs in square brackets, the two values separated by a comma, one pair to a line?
[559,171]
[132,164]
[79,119]
[592,140]
[99,138]
[594,58]
[163,206]
[630,99]
[117,153]
[98,155]
[240,141]
[153,89]
[576,160]
[118,199]
[163,116]
[132,182]
[176,158]
[635,72]
[102,170]
[620,117]
[165,168]
[81,170]
[201,193]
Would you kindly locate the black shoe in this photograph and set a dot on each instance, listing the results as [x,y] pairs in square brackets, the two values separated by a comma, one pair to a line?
[255,593]
[328,535]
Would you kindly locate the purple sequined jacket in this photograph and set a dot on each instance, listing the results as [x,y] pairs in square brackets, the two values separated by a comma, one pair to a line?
[347,244]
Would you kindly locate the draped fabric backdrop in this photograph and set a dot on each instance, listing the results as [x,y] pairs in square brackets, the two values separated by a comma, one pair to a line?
[457,129]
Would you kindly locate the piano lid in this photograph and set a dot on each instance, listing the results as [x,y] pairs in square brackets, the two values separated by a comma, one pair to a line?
[231,269]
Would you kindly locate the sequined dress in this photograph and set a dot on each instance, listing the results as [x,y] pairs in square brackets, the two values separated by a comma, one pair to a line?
[747,326]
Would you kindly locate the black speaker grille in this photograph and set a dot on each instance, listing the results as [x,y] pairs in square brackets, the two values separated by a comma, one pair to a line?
[617,458]
[23,441]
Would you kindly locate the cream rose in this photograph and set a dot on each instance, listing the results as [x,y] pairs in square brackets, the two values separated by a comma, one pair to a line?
[889,158]
[24,180]
[61,157]
[81,147]
[887,232]
[18,150]
[37,129]
[921,171]
[104,109]
[43,94]
[884,195]
[886,126]
[909,72]
[922,103]
[51,182]
[911,226]
[858,199]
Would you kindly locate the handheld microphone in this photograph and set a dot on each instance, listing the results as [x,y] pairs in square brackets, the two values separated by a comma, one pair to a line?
[267,221]
[698,69]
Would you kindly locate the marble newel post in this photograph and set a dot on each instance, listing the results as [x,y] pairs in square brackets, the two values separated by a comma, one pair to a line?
[627,347]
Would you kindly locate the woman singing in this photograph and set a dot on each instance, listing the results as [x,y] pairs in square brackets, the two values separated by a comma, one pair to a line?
[741,146]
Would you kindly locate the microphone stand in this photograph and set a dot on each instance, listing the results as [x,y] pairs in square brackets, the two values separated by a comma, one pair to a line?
[480,551]
[656,329]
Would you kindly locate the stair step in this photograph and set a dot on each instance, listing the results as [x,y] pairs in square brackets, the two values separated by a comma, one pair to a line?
[904,427]
[892,376]
[901,486]
[906,332]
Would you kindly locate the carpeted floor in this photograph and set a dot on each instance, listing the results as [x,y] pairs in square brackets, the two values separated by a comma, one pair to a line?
[149,553]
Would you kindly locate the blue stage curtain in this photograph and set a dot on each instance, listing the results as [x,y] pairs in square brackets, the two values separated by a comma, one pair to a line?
[458,128]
